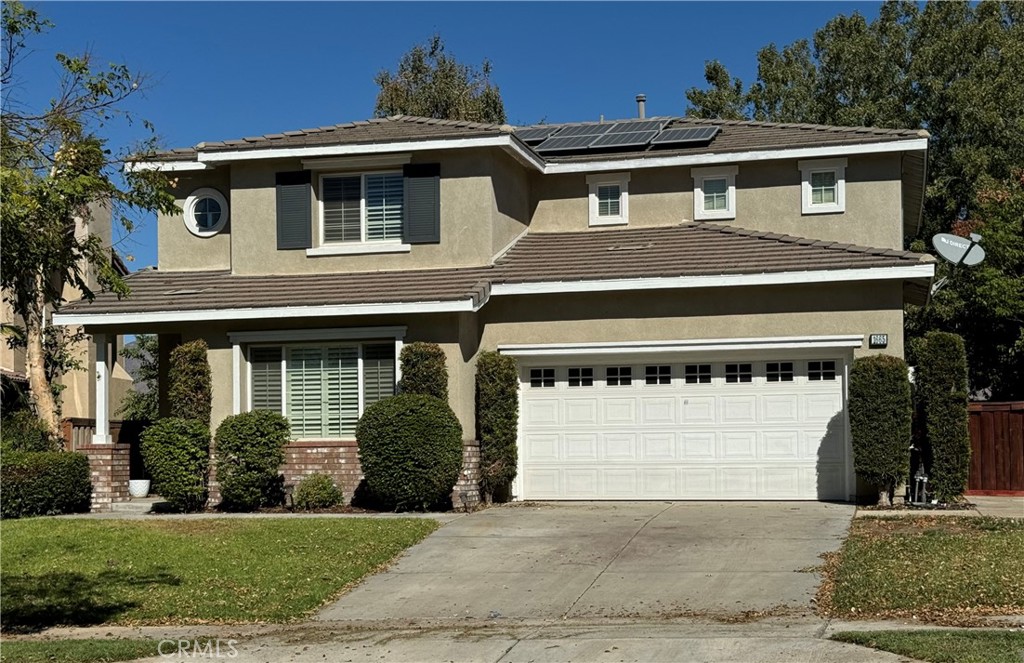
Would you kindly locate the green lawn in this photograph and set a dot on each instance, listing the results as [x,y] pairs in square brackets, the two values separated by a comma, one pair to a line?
[943,568]
[944,646]
[82,572]
[77,651]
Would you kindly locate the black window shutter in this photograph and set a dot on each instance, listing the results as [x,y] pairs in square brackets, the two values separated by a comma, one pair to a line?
[294,211]
[422,223]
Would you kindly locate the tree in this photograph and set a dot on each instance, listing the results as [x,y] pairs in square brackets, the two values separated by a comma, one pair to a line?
[55,169]
[724,101]
[143,404]
[953,68]
[432,83]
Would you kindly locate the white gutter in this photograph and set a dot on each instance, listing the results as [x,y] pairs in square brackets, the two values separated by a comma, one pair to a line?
[514,147]
[923,270]
[209,315]
[691,345]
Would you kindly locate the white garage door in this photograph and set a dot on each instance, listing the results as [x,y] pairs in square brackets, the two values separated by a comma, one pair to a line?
[683,430]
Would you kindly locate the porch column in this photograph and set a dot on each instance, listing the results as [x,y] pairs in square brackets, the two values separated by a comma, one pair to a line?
[102,434]
[236,378]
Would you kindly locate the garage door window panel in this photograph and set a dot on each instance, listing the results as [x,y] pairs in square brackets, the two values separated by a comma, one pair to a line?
[542,378]
[818,371]
[581,377]
[739,373]
[697,373]
[618,376]
[779,371]
[658,375]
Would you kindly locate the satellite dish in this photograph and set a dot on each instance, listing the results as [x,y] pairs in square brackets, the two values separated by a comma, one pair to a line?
[958,250]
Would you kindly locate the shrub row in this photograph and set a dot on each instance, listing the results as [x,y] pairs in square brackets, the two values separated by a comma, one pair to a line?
[41,483]
[942,401]
[880,421]
[22,430]
[497,419]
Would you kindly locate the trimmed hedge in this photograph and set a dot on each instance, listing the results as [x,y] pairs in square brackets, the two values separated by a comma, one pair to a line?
[497,419]
[424,370]
[942,387]
[188,382]
[177,455]
[317,491]
[44,483]
[22,430]
[250,451]
[880,421]
[410,450]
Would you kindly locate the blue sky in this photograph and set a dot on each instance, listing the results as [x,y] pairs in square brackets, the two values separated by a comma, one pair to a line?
[233,69]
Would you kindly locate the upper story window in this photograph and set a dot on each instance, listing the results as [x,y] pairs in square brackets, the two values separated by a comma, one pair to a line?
[823,186]
[609,199]
[714,192]
[206,212]
[361,208]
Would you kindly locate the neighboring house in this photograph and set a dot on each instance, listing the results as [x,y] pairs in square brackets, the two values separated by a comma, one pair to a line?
[684,297]
[78,398]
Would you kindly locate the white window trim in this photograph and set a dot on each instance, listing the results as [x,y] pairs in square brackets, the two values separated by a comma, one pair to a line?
[837,166]
[340,341]
[363,245]
[190,207]
[617,179]
[717,173]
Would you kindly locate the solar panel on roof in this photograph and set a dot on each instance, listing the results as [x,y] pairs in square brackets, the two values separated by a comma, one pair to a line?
[584,130]
[632,139]
[535,134]
[637,125]
[560,143]
[687,135]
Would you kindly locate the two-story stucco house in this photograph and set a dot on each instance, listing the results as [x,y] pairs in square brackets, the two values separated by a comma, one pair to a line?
[684,297]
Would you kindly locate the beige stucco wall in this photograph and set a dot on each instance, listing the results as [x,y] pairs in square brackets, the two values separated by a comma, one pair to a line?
[511,213]
[816,310]
[767,198]
[180,250]
[470,209]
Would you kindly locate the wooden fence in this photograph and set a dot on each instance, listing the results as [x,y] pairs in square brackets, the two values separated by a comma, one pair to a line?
[997,449]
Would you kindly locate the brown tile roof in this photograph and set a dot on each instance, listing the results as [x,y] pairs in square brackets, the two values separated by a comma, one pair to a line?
[735,136]
[743,136]
[397,128]
[692,249]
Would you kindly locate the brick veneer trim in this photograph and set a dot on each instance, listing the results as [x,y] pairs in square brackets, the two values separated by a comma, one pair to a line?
[109,471]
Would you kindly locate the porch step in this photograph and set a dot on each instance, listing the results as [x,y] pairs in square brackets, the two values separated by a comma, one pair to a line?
[135,505]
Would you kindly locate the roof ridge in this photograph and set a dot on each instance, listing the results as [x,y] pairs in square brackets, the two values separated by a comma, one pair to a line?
[922,133]
[468,124]
[793,239]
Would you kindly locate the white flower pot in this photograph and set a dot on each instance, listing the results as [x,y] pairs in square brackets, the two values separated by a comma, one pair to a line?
[138,487]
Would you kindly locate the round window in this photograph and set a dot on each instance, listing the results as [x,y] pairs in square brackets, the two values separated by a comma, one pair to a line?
[206,212]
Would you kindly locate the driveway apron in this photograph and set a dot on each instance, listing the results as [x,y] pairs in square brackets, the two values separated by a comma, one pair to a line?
[616,559]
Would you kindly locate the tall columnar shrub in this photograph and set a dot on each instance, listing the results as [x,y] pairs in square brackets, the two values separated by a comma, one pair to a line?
[497,419]
[250,451]
[177,454]
[188,378]
[424,370]
[942,386]
[880,415]
[43,483]
[410,450]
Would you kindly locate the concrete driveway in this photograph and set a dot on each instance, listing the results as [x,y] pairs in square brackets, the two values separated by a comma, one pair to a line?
[606,560]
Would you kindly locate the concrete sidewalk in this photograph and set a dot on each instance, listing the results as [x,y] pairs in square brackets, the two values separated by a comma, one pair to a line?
[998,506]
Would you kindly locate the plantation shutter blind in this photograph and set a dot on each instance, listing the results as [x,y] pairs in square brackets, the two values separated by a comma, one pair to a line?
[265,369]
[342,198]
[384,195]
[323,391]
[378,372]
[294,210]
[422,222]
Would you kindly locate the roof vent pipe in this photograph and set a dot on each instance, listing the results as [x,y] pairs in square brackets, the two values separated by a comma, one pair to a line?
[641,101]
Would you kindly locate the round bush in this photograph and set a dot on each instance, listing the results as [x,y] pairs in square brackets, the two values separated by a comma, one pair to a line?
[250,450]
[410,448]
[176,453]
[43,483]
[317,491]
